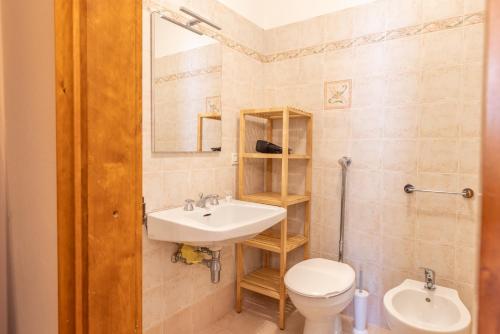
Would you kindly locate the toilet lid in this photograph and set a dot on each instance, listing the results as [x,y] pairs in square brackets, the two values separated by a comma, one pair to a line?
[320,278]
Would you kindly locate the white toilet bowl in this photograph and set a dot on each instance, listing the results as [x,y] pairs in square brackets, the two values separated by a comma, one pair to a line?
[320,289]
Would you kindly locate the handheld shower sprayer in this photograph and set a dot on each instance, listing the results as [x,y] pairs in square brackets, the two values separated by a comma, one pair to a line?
[345,162]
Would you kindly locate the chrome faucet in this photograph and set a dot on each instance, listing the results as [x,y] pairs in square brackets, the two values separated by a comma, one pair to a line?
[202,201]
[430,279]
[188,205]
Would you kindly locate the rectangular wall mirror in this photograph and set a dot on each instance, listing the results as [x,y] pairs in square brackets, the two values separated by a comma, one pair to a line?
[186,75]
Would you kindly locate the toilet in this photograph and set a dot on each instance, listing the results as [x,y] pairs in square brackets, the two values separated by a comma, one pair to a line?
[320,289]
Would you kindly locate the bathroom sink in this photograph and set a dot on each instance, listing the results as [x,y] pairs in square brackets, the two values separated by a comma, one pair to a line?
[412,309]
[217,226]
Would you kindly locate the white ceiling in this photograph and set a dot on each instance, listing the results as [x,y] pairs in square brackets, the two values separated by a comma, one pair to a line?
[269,14]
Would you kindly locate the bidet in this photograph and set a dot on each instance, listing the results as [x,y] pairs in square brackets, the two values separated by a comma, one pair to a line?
[412,308]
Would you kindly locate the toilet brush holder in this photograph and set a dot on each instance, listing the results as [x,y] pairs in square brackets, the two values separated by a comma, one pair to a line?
[360,311]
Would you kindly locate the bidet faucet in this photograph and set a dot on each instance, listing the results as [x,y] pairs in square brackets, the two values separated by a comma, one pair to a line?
[430,278]
[202,201]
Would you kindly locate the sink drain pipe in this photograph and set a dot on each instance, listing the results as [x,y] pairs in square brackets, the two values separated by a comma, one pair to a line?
[344,162]
[194,255]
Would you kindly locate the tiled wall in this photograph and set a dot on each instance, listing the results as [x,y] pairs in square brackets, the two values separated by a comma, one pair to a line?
[179,298]
[416,71]
[415,118]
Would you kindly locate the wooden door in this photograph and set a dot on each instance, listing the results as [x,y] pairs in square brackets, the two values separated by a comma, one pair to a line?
[98,71]
[489,284]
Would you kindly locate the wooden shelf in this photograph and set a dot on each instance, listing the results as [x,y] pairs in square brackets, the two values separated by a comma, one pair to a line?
[210,115]
[201,116]
[273,198]
[265,281]
[274,156]
[268,281]
[271,241]
[276,113]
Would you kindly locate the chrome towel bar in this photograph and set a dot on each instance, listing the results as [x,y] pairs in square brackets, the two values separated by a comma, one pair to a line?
[466,193]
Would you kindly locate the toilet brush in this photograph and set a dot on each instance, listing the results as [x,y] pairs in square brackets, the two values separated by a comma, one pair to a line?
[360,307]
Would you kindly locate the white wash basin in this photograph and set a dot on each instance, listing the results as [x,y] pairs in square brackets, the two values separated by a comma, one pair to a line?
[412,309]
[219,225]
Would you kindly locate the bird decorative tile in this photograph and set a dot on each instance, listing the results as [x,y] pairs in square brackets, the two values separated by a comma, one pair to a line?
[338,94]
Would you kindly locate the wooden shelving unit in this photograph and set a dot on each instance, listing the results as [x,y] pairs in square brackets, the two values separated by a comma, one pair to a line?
[201,117]
[266,280]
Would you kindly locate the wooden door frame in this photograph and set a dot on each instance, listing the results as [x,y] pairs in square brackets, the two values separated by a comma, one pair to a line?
[489,277]
[99,165]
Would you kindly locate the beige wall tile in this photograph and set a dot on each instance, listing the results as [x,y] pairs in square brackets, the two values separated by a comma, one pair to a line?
[369,59]
[366,123]
[370,18]
[472,82]
[441,84]
[403,55]
[366,154]
[440,120]
[398,253]
[152,307]
[338,65]
[472,6]
[287,37]
[438,155]
[474,43]
[440,258]
[435,10]
[392,278]
[336,125]
[311,69]
[404,13]
[400,155]
[398,221]
[339,25]
[153,268]
[312,31]
[153,190]
[434,44]
[470,119]
[403,89]
[467,232]
[363,246]
[401,122]
[158,329]
[368,91]
[437,203]
[329,238]
[470,151]
[180,322]
[465,262]
[436,227]
[364,216]
[392,185]
[364,185]
[176,188]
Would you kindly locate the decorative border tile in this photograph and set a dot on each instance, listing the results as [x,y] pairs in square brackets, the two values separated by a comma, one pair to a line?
[188,74]
[449,23]
[403,32]
[474,18]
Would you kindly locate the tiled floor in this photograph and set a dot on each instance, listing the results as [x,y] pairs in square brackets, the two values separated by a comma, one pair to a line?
[249,322]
